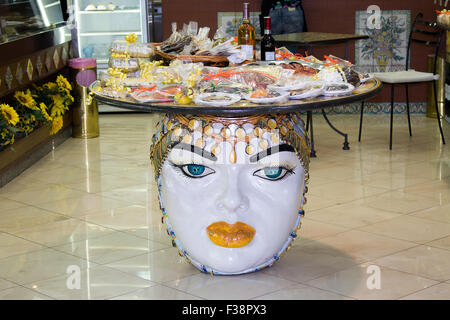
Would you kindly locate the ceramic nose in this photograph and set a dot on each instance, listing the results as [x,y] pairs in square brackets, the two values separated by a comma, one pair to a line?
[232,199]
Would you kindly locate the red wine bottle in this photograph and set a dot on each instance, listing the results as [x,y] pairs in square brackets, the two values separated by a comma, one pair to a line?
[267,42]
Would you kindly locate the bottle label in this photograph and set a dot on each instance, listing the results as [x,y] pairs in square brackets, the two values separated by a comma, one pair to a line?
[247,50]
[270,56]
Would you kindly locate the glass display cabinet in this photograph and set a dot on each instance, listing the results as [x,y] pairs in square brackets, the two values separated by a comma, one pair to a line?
[101,22]
[21,19]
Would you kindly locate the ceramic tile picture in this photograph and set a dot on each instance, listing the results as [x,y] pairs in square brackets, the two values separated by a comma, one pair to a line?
[56,58]
[64,55]
[30,70]
[232,20]
[39,65]
[19,73]
[48,62]
[8,77]
[386,48]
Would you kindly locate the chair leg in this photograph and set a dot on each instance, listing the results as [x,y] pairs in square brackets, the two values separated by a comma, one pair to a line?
[360,121]
[407,110]
[437,111]
[392,116]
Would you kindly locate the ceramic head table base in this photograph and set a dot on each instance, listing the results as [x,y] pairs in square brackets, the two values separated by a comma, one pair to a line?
[232,180]
[231,190]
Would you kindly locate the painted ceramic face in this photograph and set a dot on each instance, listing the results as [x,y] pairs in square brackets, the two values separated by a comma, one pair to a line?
[231,193]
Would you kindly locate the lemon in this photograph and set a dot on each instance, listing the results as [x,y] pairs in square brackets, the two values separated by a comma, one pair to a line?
[184,100]
[178,95]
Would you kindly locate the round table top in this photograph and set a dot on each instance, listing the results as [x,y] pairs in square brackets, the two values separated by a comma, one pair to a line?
[245,108]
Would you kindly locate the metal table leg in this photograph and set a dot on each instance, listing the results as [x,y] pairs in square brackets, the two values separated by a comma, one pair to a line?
[309,128]
[346,144]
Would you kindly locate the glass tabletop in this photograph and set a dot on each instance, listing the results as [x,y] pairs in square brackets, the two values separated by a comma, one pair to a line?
[244,108]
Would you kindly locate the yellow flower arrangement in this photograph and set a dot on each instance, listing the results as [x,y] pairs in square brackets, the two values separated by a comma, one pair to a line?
[9,114]
[63,83]
[26,99]
[28,129]
[57,124]
[50,86]
[44,112]
[43,105]
[59,106]
[6,137]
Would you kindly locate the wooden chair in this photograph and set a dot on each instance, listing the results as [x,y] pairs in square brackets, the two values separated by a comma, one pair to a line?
[411,76]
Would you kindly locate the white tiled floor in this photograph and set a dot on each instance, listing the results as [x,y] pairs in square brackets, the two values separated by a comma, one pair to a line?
[92,204]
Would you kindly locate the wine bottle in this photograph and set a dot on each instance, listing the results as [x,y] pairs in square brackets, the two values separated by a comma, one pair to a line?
[246,36]
[267,42]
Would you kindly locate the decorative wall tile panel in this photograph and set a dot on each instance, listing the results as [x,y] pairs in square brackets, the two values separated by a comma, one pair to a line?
[64,55]
[9,77]
[232,20]
[30,70]
[377,108]
[386,48]
[39,65]
[56,58]
[19,73]
[48,61]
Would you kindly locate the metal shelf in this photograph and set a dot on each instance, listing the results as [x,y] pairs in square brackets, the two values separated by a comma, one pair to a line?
[110,11]
[118,33]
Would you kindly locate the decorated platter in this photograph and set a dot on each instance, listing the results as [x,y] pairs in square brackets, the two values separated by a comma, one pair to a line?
[333,89]
[312,90]
[216,99]
[267,96]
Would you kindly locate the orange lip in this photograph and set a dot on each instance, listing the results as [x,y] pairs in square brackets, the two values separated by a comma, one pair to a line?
[227,235]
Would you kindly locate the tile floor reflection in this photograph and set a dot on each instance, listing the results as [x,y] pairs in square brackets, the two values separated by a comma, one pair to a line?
[92,204]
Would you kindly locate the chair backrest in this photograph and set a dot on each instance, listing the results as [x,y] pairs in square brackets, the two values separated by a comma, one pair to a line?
[426,33]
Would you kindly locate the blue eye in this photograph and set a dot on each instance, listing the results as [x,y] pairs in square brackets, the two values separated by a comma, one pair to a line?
[195,170]
[273,173]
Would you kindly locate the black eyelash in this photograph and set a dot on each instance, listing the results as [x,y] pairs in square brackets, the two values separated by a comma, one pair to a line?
[289,171]
[179,169]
